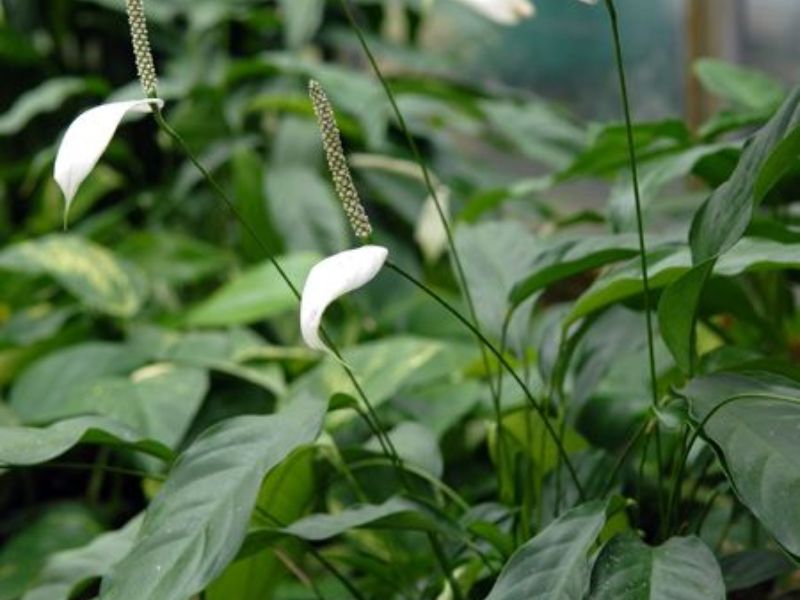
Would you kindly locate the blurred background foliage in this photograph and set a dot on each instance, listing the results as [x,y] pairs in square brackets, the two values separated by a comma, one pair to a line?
[158,297]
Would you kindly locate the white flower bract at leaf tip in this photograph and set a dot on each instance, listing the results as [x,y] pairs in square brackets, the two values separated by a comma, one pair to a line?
[86,139]
[505,12]
[332,278]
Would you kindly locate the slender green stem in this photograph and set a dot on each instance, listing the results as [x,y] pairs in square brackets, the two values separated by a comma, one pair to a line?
[428,180]
[623,457]
[506,365]
[626,107]
[676,481]
[270,253]
[373,421]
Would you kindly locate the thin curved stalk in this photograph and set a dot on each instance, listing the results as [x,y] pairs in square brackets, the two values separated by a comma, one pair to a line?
[427,178]
[373,421]
[626,107]
[506,365]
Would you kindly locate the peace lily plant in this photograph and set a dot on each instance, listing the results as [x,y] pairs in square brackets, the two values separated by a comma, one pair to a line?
[533,506]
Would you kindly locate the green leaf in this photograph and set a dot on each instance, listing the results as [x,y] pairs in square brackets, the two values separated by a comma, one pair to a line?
[555,563]
[538,129]
[301,20]
[40,393]
[173,257]
[608,149]
[257,294]
[158,401]
[385,367]
[21,446]
[46,97]
[394,513]
[233,351]
[305,204]
[415,444]
[755,435]
[724,217]
[654,175]
[668,264]
[196,524]
[86,270]
[567,258]
[23,556]
[70,570]
[747,88]
[751,567]
[677,312]
[680,569]
[495,256]
[286,495]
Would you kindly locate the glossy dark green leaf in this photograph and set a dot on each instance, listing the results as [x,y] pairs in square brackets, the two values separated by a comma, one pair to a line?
[33,445]
[572,257]
[69,570]
[196,524]
[755,435]
[677,314]
[395,512]
[555,563]
[40,393]
[680,569]
[724,217]
[749,568]
[23,556]
[237,352]
[668,264]
[608,148]
[654,176]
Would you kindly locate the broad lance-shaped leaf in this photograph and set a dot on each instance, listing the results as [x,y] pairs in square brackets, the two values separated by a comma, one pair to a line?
[756,438]
[257,294]
[22,446]
[555,563]
[395,513]
[725,216]
[723,219]
[680,569]
[87,271]
[196,524]
[64,571]
[668,264]
[571,257]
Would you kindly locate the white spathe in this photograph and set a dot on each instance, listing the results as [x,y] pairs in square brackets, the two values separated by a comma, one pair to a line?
[86,139]
[332,278]
[505,12]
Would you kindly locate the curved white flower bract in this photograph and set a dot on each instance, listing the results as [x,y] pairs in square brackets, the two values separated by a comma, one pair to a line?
[592,2]
[86,139]
[332,278]
[505,12]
